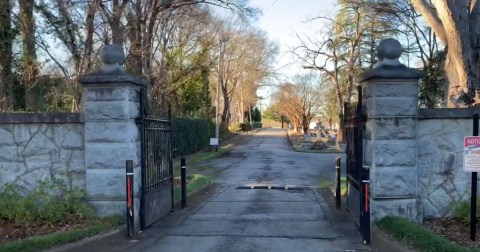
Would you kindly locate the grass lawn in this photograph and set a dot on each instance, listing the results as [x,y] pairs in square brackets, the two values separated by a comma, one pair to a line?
[419,237]
[195,182]
[330,184]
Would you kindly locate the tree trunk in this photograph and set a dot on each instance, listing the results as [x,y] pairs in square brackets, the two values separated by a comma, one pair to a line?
[462,59]
[135,63]
[456,25]
[29,57]
[6,55]
[90,28]
[305,129]
[71,41]
[226,110]
[339,100]
[250,116]
[455,78]
[461,68]
[115,22]
[341,128]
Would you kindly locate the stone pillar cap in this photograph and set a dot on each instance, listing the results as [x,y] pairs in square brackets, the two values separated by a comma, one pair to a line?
[389,66]
[112,70]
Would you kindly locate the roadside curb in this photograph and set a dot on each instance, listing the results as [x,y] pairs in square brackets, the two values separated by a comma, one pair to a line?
[87,243]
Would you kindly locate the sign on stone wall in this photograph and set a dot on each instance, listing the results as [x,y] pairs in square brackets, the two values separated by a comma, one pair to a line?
[471,154]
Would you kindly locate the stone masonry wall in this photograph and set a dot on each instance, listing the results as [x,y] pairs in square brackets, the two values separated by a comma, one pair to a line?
[34,147]
[440,159]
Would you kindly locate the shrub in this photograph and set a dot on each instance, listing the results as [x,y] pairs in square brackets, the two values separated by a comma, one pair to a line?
[235,127]
[462,210]
[248,126]
[42,242]
[190,135]
[49,203]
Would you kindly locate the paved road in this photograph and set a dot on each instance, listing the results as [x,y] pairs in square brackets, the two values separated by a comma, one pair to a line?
[238,218]
[266,159]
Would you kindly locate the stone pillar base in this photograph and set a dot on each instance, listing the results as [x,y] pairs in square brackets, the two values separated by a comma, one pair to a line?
[409,208]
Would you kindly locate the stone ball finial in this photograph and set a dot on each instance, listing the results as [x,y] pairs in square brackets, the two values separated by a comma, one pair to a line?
[113,58]
[112,54]
[389,51]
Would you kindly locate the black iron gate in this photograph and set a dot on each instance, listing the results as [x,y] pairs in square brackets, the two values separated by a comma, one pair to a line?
[358,175]
[156,162]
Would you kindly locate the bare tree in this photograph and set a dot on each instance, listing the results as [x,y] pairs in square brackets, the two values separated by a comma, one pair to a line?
[346,48]
[248,58]
[325,56]
[300,101]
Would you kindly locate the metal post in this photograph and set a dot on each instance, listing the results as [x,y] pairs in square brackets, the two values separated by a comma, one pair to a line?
[366,214]
[183,176]
[130,209]
[365,211]
[338,196]
[282,120]
[473,200]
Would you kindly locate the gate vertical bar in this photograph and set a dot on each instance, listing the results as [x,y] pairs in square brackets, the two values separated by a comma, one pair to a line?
[171,150]
[473,200]
[142,157]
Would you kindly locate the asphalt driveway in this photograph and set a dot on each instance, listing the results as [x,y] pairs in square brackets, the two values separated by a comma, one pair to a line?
[267,200]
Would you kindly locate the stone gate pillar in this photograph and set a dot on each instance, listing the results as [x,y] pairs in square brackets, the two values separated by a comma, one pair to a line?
[111,104]
[390,98]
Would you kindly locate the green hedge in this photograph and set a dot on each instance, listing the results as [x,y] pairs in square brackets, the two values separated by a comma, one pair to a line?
[257,125]
[248,126]
[245,126]
[190,135]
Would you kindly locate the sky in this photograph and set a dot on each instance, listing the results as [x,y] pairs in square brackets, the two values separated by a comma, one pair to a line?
[281,19]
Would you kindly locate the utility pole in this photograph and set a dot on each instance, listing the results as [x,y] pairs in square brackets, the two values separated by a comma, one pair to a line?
[219,85]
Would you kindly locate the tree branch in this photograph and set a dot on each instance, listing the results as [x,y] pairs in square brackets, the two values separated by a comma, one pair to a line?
[431,17]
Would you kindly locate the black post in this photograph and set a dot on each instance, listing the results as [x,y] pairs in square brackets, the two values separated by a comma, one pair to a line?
[473,200]
[365,211]
[130,210]
[338,196]
[184,181]
[282,120]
